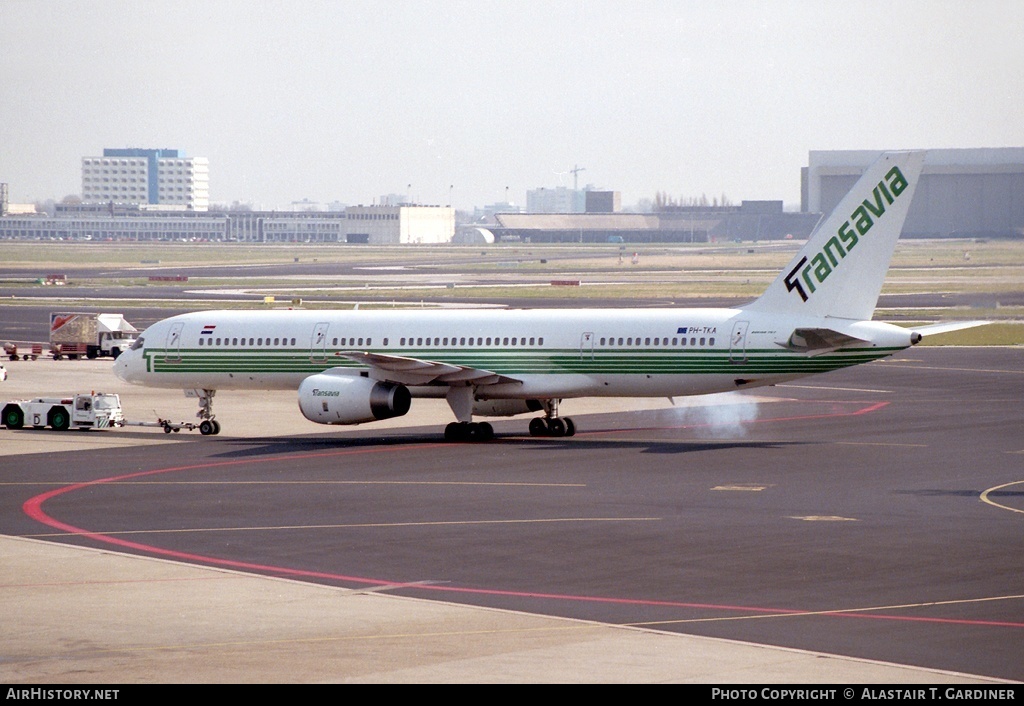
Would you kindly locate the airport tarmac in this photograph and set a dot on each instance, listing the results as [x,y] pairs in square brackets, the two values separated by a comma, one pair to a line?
[122,604]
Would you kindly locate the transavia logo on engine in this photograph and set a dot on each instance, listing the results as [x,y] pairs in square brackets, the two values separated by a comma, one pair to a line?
[846,238]
[317,392]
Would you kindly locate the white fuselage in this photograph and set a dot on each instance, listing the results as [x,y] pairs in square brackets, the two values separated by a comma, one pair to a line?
[544,354]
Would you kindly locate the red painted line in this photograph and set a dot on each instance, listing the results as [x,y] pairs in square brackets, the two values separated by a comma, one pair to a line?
[33,508]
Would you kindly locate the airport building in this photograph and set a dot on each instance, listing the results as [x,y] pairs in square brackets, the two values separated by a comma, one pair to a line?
[962,192]
[405,224]
[156,177]
[376,225]
[751,220]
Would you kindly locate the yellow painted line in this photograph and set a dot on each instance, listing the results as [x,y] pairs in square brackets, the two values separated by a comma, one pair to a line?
[881,443]
[823,518]
[246,645]
[367,525]
[742,486]
[838,611]
[959,370]
[986,499]
[841,389]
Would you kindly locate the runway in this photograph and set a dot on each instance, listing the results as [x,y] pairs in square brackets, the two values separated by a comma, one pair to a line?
[873,513]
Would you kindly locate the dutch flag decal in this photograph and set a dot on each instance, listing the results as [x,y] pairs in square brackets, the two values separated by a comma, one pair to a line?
[207,330]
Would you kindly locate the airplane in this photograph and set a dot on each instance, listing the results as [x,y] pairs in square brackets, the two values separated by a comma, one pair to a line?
[358,366]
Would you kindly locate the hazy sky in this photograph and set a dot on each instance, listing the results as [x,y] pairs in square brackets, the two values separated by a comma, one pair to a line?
[348,100]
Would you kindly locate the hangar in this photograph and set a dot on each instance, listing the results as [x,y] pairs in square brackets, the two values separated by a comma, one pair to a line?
[963,192]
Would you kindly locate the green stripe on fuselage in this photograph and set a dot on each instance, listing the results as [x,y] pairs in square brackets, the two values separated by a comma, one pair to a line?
[525,362]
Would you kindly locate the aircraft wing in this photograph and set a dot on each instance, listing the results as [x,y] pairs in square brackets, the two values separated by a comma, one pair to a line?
[815,341]
[416,371]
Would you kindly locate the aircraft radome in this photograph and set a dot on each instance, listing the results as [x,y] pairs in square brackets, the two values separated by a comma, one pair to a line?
[351,367]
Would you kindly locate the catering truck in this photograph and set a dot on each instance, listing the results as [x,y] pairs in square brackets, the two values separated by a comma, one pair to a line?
[75,334]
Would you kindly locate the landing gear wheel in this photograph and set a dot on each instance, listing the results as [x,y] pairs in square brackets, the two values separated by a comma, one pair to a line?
[468,431]
[216,427]
[570,426]
[206,427]
[556,427]
[538,427]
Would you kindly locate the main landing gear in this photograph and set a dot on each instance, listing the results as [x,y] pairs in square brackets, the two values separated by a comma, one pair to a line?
[551,424]
[208,426]
[461,399]
[468,431]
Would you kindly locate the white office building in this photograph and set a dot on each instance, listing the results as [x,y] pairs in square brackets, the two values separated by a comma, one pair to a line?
[161,177]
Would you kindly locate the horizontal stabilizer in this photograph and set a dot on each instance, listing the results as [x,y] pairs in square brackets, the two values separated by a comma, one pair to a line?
[933,329]
[815,341]
[416,371]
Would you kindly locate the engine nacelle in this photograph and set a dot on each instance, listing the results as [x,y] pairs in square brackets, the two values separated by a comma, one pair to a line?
[342,398]
[505,408]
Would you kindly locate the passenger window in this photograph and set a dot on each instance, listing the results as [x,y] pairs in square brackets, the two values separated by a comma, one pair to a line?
[711,341]
[540,341]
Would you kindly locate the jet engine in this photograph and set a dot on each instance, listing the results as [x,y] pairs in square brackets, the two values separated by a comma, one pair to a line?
[343,398]
[505,408]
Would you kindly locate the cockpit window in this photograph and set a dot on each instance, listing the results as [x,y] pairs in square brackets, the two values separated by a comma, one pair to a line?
[138,343]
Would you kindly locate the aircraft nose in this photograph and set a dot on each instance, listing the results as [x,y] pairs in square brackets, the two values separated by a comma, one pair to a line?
[126,367]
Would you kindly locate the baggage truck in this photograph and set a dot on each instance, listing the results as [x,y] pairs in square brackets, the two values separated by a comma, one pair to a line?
[75,334]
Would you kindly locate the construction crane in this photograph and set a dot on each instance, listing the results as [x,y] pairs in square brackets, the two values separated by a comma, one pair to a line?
[575,176]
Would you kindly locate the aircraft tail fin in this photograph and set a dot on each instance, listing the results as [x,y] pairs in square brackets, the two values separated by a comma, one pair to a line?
[840,271]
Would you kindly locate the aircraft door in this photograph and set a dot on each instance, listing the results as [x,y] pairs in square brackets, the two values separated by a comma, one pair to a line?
[738,342]
[318,343]
[587,346]
[173,347]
